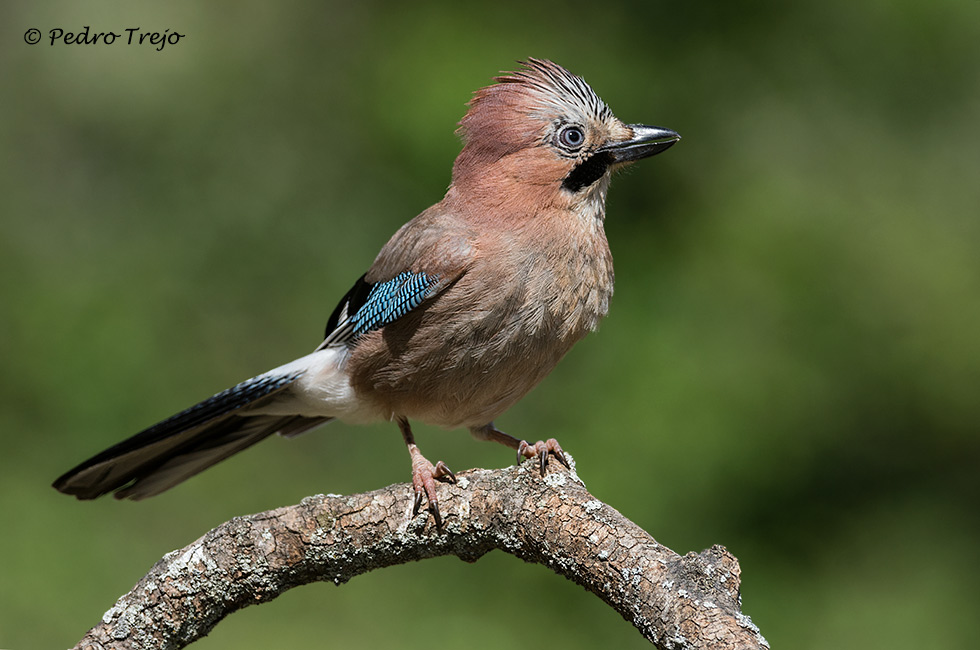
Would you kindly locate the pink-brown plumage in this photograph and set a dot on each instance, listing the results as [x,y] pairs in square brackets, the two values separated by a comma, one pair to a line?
[467,308]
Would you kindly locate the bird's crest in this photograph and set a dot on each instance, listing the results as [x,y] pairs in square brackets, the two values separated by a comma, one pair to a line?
[507,116]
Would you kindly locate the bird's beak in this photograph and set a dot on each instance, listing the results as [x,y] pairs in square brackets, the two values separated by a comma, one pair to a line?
[646,141]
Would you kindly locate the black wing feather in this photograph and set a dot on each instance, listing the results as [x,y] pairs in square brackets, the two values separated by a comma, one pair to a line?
[352,301]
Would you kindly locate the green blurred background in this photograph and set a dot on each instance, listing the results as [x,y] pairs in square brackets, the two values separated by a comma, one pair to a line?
[790,368]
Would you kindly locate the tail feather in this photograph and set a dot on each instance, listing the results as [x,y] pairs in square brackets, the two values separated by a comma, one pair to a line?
[187,443]
[239,433]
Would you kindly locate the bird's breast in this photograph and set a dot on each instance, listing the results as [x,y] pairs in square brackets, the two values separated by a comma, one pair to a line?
[489,338]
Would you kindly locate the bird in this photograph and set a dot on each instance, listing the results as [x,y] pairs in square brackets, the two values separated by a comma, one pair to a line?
[465,309]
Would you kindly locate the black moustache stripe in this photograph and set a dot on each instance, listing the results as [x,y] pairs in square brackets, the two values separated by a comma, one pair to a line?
[587,172]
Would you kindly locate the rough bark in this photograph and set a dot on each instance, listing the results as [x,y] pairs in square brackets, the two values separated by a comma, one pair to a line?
[675,602]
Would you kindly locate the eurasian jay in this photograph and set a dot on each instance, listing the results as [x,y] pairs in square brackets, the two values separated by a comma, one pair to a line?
[466,308]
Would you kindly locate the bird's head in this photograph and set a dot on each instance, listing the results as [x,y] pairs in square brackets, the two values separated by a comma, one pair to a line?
[543,127]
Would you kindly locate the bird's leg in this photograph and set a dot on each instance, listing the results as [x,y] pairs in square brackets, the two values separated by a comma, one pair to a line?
[424,474]
[541,449]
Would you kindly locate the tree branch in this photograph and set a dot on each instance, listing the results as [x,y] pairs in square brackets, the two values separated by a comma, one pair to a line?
[675,602]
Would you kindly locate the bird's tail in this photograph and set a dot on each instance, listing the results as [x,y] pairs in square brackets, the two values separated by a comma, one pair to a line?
[172,451]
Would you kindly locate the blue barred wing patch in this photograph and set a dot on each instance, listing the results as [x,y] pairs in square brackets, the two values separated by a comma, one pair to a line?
[390,300]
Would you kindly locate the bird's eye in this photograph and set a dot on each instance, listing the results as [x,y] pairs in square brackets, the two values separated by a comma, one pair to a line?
[571,137]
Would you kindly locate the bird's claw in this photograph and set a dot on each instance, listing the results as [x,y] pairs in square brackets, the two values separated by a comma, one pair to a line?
[424,476]
[541,449]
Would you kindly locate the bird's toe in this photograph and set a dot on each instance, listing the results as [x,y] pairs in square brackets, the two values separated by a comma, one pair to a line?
[542,450]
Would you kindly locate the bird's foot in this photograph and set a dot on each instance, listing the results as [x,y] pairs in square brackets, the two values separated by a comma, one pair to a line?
[424,476]
[541,449]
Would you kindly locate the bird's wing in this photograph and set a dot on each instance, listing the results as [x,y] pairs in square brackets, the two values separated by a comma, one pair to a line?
[424,258]
[370,306]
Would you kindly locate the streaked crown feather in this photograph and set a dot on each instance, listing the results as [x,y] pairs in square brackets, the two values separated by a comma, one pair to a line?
[508,115]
